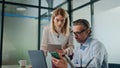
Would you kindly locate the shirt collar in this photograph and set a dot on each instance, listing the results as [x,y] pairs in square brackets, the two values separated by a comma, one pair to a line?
[87,41]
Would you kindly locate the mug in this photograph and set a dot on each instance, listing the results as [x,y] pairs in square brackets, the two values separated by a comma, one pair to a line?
[22,62]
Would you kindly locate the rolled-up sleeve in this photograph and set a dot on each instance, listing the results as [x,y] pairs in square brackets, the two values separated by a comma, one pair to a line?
[70,41]
[100,56]
[44,41]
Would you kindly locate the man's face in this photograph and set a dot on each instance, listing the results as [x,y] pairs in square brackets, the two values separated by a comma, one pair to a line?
[80,33]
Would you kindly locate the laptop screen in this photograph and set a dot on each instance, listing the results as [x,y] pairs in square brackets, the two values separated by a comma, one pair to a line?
[37,59]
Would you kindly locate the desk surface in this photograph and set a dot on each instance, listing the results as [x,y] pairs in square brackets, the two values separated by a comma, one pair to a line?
[13,66]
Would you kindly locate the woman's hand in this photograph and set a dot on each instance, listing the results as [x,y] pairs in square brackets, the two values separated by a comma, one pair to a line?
[68,51]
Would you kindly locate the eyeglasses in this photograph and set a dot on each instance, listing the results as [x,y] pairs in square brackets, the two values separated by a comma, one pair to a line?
[78,33]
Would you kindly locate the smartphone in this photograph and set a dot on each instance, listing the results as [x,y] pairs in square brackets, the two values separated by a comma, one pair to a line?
[55,55]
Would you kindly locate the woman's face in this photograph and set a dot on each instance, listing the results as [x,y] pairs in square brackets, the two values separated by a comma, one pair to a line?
[59,21]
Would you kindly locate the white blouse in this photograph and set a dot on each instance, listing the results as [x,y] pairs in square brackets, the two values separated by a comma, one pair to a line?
[52,38]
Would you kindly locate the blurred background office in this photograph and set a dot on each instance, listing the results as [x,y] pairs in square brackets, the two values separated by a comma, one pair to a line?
[22,22]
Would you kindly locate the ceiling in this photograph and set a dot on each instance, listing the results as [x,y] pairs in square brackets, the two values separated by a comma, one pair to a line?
[44,3]
[107,4]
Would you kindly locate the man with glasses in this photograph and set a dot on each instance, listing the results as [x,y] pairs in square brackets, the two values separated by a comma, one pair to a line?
[90,53]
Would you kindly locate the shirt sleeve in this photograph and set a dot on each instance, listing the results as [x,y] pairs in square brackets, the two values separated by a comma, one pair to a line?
[100,55]
[69,43]
[75,60]
[44,41]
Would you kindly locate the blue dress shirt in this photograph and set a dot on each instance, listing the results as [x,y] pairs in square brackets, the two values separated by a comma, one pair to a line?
[91,49]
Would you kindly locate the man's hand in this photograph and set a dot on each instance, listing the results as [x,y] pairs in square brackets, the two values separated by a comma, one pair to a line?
[60,63]
[30,67]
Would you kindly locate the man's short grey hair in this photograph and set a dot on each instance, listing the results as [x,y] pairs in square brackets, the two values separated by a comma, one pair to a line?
[83,22]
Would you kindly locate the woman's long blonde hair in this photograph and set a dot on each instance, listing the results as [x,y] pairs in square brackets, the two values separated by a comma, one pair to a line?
[62,12]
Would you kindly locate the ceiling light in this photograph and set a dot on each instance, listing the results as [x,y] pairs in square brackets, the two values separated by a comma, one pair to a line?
[21,9]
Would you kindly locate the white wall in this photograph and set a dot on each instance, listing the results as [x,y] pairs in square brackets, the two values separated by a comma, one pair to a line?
[106,27]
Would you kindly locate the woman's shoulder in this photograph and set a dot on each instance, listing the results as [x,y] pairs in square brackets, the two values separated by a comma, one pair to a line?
[47,28]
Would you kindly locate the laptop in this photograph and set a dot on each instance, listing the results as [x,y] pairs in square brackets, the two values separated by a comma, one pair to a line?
[37,59]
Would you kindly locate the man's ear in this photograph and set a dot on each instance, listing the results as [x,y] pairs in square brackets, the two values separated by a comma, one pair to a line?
[88,30]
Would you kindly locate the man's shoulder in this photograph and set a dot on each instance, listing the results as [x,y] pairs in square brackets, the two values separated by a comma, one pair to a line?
[96,43]
[95,40]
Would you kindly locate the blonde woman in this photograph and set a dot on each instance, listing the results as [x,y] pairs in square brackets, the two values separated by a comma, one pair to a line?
[58,32]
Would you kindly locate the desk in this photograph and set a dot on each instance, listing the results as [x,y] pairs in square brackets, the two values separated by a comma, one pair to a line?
[13,66]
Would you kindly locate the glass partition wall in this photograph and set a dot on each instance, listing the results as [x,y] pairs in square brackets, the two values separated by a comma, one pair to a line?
[24,21]
[0,18]
[20,32]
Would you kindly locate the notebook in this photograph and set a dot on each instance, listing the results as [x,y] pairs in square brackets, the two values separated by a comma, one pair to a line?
[37,59]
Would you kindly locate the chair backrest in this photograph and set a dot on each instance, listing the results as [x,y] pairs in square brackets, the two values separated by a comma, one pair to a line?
[113,65]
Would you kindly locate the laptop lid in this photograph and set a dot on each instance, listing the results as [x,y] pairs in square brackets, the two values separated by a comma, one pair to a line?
[37,59]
